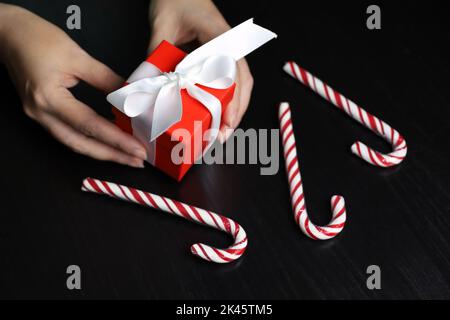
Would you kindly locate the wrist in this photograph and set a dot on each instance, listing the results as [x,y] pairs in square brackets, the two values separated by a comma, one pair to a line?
[8,16]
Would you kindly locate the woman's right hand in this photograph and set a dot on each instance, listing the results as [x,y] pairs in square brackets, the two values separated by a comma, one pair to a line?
[44,63]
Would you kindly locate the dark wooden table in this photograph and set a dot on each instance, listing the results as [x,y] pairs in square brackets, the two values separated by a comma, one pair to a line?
[398,218]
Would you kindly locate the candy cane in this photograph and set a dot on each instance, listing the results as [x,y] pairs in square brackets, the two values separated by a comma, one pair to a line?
[359,114]
[183,210]
[296,186]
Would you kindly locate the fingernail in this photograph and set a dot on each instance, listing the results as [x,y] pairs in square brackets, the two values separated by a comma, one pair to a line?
[220,137]
[140,153]
[138,163]
[228,133]
[231,119]
[225,134]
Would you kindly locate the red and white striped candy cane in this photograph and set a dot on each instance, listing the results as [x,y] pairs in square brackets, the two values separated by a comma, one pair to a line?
[359,114]
[183,210]
[296,186]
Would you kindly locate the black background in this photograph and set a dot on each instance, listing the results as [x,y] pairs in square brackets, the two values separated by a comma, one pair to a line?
[397,218]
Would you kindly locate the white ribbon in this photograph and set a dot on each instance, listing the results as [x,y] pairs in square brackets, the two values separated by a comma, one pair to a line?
[153,102]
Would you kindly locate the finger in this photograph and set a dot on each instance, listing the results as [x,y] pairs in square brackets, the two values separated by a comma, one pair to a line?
[246,87]
[208,24]
[97,74]
[85,145]
[240,102]
[229,118]
[160,33]
[83,119]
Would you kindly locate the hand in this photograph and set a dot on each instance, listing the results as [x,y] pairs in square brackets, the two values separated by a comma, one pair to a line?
[43,63]
[183,21]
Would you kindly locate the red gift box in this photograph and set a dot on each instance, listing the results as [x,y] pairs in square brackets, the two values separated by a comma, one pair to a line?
[166,57]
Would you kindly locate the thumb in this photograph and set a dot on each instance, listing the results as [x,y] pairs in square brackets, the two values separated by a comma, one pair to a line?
[99,75]
[160,33]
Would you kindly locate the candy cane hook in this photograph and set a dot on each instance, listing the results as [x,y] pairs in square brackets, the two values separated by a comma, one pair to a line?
[337,222]
[183,210]
[359,114]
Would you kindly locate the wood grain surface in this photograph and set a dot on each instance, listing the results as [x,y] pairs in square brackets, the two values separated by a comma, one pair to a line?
[398,218]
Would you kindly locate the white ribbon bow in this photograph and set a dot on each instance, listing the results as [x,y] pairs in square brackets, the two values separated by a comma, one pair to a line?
[153,102]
